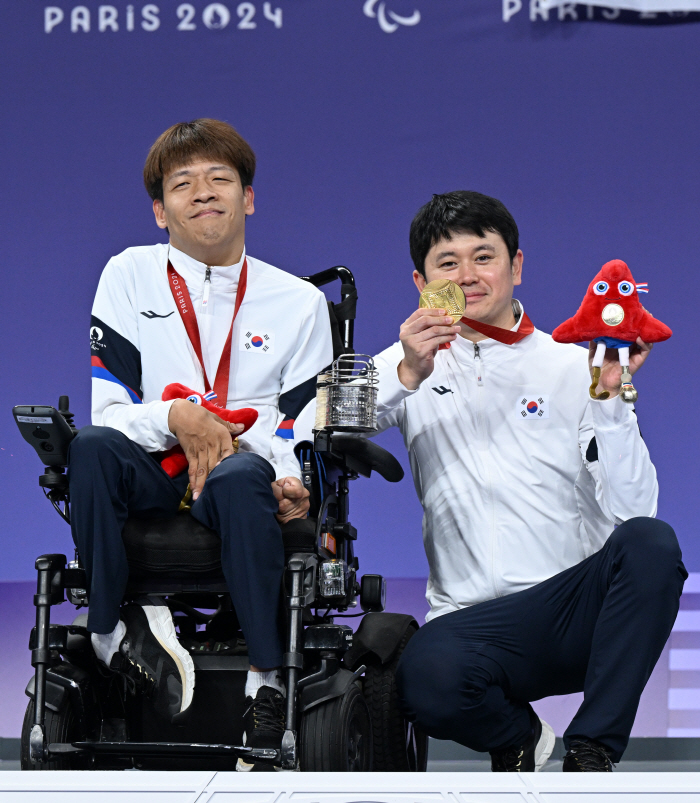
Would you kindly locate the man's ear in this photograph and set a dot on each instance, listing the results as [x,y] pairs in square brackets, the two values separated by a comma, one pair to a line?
[249,197]
[419,280]
[517,268]
[159,212]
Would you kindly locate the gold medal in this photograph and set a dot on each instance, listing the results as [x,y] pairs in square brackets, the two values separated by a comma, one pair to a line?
[444,294]
[613,315]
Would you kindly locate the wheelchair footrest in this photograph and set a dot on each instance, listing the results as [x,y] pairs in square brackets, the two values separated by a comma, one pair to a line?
[168,749]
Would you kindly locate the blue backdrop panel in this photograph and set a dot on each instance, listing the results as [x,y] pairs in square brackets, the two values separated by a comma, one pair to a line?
[358,112]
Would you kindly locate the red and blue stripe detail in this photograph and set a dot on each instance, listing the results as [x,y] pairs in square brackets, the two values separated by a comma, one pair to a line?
[99,371]
[286,429]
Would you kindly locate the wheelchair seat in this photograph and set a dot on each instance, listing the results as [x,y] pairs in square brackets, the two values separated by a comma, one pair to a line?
[173,554]
[179,547]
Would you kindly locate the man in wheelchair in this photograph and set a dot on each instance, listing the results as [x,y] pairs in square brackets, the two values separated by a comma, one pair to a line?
[225,546]
[253,336]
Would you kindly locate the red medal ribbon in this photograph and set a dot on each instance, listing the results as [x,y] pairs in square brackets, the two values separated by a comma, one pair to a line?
[507,336]
[183,302]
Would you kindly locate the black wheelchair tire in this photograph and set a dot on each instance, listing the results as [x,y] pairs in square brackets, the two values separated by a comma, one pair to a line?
[61,726]
[336,736]
[398,745]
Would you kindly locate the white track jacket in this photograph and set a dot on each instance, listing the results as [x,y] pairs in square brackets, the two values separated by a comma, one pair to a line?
[521,475]
[281,340]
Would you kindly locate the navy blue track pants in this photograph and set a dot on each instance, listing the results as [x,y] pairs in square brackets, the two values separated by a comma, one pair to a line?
[112,478]
[598,627]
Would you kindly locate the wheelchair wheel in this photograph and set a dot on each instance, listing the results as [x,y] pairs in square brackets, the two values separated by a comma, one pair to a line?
[61,726]
[336,736]
[398,745]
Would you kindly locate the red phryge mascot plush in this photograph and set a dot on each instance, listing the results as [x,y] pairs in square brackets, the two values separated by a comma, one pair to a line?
[612,316]
[176,462]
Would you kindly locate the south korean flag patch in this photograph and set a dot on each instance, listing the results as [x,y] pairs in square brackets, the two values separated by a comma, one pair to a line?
[532,408]
[257,340]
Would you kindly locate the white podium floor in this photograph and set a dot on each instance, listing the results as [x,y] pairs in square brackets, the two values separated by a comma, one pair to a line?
[446,787]
[485,766]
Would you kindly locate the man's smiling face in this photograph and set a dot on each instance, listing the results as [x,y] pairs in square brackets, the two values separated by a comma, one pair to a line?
[482,267]
[204,208]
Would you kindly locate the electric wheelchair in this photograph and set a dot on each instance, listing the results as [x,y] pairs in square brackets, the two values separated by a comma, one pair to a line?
[342,711]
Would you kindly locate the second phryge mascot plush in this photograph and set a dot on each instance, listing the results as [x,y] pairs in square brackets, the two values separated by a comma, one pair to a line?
[175,462]
[612,316]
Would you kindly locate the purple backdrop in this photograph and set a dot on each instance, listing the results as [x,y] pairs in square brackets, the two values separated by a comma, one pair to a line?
[587,130]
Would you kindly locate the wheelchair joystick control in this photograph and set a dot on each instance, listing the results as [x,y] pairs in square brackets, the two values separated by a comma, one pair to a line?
[63,409]
[49,431]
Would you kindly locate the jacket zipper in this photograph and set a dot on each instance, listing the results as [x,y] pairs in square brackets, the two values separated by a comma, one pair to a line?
[480,383]
[477,358]
[207,288]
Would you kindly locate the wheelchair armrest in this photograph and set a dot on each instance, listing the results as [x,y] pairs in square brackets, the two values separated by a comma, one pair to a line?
[356,453]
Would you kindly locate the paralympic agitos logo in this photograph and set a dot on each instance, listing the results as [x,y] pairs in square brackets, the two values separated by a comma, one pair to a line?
[389,21]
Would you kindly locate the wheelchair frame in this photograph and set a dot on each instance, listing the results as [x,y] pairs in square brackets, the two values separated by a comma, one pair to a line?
[314,637]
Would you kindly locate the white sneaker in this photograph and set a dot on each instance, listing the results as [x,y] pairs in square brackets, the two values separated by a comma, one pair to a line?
[169,678]
[528,757]
[545,745]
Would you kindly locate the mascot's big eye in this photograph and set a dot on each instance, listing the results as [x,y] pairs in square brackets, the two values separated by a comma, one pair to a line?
[195,399]
[600,288]
[625,288]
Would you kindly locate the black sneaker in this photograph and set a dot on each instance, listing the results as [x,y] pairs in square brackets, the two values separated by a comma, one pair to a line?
[586,755]
[151,656]
[529,757]
[263,726]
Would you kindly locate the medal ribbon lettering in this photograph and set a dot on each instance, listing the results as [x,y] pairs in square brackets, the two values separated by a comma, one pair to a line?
[184,306]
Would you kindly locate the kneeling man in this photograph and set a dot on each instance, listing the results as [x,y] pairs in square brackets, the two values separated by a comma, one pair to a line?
[201,312]
[548,573]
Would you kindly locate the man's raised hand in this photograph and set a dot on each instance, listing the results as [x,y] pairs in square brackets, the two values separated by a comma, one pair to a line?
[205,439]
[611,372]
[420,336]
[292,497]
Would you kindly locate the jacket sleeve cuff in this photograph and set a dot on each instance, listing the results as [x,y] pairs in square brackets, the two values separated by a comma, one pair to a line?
[391,390]
[286,468]
[158,419]
[612,413]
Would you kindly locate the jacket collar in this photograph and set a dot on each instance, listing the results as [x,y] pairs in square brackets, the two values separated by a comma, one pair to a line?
[193,272]
[490,347]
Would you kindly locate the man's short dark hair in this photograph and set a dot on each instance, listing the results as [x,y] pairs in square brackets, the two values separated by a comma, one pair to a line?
[204,139]
[460,212]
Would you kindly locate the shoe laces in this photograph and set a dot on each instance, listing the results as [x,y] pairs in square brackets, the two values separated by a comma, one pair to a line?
[136,678]
[508,760]
[590,756]
[268,713]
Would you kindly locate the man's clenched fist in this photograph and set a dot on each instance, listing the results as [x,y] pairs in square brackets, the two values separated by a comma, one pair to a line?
[292,497]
